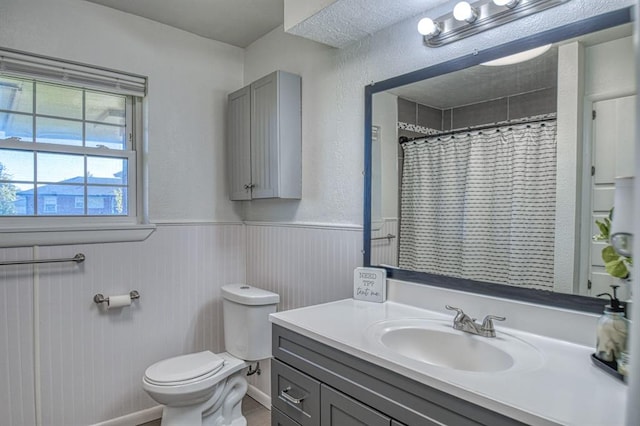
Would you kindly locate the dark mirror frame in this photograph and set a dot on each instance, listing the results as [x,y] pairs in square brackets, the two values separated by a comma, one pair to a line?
[543,297]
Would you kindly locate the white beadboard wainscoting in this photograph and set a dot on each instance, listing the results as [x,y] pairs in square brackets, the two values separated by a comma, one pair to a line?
[305,264]
[83,366]
[91,362]
[17,394]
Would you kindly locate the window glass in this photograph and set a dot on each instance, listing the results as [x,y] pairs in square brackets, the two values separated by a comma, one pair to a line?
[107,200]
[105,136]
[49,204]
[53,130]
[16,165]
[16,126]
[16,94]
[78,203]
[60,168]
[105,108]
[17,200]
[108,171]
[59,199]
[58,101]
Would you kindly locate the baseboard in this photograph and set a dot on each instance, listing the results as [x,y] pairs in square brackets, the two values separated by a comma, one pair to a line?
[259,396]
[137,418]
[154,413]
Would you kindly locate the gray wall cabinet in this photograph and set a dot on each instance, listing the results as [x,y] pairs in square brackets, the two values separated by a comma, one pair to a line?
[315,384]
[264,138]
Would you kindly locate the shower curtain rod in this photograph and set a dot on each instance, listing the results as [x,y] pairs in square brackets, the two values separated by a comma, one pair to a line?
[405,139]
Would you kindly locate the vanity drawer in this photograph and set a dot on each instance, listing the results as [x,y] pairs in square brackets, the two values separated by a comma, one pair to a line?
[295,394]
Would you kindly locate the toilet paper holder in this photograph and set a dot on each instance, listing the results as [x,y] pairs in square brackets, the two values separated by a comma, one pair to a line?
[99,298]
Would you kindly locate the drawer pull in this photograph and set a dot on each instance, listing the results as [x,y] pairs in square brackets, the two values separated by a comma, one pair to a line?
[292,396]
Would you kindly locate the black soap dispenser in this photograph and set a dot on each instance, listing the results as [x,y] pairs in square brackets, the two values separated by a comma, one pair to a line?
[611,330]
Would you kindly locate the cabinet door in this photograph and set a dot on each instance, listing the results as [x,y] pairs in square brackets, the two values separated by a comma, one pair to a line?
[264,137]
[238,144]
[280,419]
[337,409]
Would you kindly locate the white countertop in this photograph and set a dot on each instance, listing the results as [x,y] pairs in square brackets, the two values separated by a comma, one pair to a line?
[564,388]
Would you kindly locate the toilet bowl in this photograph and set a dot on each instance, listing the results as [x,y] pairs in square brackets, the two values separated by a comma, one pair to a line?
[204,388]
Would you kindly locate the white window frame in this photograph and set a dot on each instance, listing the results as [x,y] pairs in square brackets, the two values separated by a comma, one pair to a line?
[54,230]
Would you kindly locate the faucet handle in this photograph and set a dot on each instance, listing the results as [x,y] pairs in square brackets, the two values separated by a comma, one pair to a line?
[453,308]
[487,323]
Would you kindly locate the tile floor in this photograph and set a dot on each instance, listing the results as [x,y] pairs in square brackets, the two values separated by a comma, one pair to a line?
[255,413]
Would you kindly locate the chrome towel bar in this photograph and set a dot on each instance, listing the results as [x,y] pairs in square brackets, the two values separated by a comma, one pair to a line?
[78,258]
[387,237]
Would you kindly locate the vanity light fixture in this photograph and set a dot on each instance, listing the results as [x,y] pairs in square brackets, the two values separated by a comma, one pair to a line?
[468,19]
[428,27]
[463,11]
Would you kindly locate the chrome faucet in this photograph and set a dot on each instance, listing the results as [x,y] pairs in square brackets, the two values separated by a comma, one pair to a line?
[464,322]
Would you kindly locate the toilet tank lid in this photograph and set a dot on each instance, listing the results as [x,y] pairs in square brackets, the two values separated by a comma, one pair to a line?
[247,295]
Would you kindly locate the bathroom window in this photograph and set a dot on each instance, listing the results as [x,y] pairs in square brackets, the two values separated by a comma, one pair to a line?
[69,143]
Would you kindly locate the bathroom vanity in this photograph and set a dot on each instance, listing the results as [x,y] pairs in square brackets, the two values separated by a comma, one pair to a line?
[316,384]
[333,365]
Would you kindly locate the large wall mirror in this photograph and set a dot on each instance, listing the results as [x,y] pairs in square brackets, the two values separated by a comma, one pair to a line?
[487,173]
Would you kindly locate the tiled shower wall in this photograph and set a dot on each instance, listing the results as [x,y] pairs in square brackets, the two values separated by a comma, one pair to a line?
[507,108]
[91,362]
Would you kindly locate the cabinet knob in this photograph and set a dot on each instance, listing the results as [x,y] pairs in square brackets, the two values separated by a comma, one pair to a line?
[249,186]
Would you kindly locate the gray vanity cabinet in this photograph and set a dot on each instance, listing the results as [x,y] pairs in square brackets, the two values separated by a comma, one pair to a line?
[313,384]
[337,409]
[264,138]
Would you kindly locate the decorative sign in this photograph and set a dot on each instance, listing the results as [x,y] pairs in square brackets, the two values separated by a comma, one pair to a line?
[370,284]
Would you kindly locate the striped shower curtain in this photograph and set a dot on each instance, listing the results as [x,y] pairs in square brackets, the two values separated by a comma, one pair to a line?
[481,205]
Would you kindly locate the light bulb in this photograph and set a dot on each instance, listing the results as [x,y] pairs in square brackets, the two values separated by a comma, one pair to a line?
[463,11]
[508,3]
[427,27]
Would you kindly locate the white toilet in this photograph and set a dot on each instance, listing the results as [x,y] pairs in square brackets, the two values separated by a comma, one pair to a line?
[206,388]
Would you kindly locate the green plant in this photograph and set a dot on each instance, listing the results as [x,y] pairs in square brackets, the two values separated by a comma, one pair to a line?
[615,264]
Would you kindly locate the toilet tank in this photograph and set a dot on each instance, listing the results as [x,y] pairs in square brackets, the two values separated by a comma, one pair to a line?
[247,330]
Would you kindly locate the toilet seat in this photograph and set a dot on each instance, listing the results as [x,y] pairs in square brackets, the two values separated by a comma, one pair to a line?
[184,369]
[191,391]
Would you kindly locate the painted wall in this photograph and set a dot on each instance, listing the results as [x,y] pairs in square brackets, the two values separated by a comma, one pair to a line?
[333,99]
[83,366]
[63,361]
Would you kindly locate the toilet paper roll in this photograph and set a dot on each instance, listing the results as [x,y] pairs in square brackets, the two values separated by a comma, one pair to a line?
[119,301]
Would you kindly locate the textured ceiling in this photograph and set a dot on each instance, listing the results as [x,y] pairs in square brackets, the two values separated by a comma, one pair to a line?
[345,21]
[236,22]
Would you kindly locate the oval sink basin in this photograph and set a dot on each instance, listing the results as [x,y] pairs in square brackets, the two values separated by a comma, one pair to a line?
[436,343]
